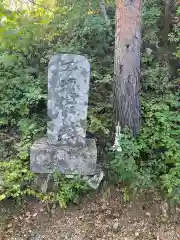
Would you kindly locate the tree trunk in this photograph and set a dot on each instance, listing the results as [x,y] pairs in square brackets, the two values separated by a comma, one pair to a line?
[103,11]
[127,64]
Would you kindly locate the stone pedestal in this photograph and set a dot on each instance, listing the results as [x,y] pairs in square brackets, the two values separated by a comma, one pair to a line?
[66,149]
[67,159]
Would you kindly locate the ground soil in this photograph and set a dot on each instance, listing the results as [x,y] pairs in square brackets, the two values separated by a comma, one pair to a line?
[99,216]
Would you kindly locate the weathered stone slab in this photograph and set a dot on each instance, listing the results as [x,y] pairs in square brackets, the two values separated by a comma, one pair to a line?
[75,160]
[66,149]
[68,86]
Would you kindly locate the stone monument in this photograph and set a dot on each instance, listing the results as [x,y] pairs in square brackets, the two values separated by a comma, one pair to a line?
[66,148]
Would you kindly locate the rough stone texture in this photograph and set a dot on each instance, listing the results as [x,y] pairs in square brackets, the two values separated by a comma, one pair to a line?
[68,86]
[66,149]
[47,158]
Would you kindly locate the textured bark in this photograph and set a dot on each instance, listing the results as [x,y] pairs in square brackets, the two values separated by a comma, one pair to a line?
[127,63]
[103,10]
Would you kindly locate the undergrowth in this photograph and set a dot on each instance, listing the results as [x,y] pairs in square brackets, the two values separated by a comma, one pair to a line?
[29,38]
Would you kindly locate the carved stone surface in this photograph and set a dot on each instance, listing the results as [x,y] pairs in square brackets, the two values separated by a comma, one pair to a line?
[68,86]
[47,158]
[66,149]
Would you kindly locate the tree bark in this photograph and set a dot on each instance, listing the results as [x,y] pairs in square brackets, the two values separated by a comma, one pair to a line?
[127,64]
[103,11]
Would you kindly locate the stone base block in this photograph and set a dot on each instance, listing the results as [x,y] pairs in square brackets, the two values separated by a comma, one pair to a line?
[75,160]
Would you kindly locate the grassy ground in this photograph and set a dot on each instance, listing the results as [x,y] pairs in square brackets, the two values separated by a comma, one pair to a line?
[103,215]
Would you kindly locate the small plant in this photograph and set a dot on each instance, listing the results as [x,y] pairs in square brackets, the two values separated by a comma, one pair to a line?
[68,190]
[124,165]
